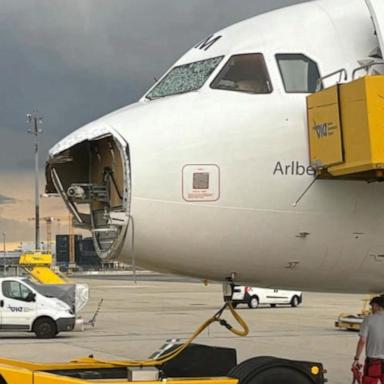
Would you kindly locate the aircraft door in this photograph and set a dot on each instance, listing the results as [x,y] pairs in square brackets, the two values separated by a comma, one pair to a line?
[19,305]
[376,9]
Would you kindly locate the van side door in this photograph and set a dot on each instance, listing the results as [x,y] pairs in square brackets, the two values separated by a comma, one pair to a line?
[19,305]
[280,297]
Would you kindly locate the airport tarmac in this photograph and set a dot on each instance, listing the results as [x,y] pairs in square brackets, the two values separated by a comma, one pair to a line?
[136,319]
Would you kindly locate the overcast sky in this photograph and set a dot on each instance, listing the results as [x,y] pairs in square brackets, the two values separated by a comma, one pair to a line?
[76,60]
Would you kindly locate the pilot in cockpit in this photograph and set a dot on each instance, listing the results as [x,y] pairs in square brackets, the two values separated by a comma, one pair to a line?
[244,73]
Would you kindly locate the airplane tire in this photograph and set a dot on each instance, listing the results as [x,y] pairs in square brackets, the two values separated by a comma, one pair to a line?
[45,328]
[2,380]
[269,370]
[253,302]
[295,301]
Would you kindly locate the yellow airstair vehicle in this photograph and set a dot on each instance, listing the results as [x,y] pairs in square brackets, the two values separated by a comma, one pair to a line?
[346,132]
[39,266]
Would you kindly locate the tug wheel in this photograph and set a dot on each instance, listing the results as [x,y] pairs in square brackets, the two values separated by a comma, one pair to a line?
[270,370]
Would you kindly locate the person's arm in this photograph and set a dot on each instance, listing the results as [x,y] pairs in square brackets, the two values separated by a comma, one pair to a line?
[361,343]
[359,349]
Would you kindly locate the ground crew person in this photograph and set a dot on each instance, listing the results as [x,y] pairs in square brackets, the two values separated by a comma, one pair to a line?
[372,337]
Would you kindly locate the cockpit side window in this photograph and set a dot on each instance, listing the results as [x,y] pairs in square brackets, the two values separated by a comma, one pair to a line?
[299,73]
[244,73]
[185,78]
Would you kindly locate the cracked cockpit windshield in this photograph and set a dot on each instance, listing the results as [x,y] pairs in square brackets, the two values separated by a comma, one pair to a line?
[185,78]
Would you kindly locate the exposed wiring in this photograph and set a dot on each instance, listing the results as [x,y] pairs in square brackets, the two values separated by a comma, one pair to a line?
[108,175]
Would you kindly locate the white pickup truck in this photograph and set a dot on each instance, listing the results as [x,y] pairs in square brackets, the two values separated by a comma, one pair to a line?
[254,297]
[26,308]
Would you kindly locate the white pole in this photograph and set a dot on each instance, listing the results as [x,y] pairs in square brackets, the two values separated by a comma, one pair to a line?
[4,253]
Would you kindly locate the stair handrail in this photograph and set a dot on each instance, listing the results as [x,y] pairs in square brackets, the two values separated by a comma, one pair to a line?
[339,71]
[366,67]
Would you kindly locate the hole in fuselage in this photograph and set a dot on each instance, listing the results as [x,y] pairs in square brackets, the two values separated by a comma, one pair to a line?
[93,179]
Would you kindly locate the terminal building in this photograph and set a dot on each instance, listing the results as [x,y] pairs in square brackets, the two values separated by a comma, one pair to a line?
[71,251]
[74,250]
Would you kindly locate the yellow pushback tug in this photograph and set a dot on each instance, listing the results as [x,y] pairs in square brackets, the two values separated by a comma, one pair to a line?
[185,363]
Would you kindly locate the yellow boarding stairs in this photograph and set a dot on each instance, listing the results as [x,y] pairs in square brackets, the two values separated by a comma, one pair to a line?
[345,130]
[39,266]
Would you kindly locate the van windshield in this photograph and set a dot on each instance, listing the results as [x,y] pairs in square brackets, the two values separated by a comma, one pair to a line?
[38,288]
[63,292]
[185,78]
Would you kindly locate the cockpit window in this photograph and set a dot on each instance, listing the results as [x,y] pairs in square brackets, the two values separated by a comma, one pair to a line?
[185,78]
[299,73]
[244,73]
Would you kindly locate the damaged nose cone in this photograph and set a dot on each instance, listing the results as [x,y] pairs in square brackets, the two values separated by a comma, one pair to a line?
[92,175]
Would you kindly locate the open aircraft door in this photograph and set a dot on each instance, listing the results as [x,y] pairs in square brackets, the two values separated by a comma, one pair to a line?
[376,9]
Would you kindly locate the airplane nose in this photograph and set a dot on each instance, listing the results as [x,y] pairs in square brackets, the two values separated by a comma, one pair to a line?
[91,173]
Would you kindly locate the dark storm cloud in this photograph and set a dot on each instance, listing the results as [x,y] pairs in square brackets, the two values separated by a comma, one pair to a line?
[77,60]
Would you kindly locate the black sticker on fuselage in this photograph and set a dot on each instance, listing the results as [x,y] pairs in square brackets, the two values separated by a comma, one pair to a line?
[208,42]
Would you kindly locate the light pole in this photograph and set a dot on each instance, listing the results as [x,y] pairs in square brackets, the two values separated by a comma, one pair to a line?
[4,252]
[34,119]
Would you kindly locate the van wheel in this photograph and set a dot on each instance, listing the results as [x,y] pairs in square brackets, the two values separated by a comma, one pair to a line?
[253,302]
[273,305]
[294,301]
[234,305]
[45,328]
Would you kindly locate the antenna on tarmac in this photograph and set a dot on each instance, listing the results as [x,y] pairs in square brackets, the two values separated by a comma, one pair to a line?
[34,119]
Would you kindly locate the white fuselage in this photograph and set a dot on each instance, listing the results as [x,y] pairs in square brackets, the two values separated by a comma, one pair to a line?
[258,145]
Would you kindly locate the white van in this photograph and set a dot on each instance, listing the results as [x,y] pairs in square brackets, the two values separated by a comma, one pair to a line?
[24,308]
[254,297]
